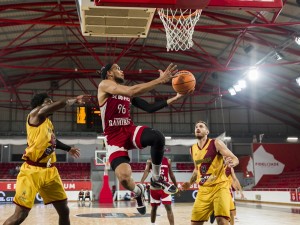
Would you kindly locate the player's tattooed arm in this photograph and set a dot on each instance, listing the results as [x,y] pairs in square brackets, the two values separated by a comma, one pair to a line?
[187,185]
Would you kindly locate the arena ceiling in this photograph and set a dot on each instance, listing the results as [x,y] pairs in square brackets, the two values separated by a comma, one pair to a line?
[42,41]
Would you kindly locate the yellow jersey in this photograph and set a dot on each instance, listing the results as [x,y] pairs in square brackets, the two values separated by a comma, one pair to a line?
[209,163]
[41,142]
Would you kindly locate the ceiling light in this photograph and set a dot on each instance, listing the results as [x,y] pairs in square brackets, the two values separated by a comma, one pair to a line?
[297,40]
[292,139]
[5,146]
[100,137]
[237,88]
[253,74]
[168,138]
[278,56]
[232,91]
[242,83]
[298,81]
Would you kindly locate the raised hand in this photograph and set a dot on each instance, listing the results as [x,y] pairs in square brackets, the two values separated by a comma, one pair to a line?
[168,74]
[178,95]
[229,162]
[75,152]
[82,99]
[185,186]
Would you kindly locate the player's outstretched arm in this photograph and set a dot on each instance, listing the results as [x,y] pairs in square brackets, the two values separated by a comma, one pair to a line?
[171,173]
[157,105]
[51,108]
[110,87]
[147,171]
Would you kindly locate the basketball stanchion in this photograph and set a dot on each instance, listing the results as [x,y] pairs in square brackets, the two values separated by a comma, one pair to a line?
[105,195]
[179,25]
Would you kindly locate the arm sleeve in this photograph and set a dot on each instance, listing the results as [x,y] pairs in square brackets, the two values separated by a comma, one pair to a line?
[62,146]
[150,108]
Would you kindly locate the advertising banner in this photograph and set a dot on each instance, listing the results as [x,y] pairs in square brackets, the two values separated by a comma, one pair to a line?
[185,196]
[293,196]
[68,185]
[273,159]
[8,196]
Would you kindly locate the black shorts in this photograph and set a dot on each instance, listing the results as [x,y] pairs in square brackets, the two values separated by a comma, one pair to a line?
[117,161]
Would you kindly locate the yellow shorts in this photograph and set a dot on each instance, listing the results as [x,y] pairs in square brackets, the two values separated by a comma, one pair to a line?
[32,180]
[232,205]
[211,199]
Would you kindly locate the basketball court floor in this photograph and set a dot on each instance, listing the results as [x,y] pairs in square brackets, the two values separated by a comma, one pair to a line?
[123,213]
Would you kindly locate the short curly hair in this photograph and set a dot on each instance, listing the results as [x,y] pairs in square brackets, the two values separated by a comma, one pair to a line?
[38,100]
[104,70]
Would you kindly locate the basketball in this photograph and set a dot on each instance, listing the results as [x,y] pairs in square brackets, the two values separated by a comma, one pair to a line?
[184,82]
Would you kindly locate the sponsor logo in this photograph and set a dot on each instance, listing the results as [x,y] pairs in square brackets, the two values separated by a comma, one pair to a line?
[119,122]
[265,164]
[204,179]
[9,186]
[120,97]
[4,198]
[195,194]
[205,160]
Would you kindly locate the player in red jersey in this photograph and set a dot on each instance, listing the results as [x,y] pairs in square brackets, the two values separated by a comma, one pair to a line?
[157,195]
[122,135]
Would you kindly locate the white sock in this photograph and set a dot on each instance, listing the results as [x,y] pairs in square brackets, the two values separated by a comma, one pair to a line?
[155,171]
[137,191]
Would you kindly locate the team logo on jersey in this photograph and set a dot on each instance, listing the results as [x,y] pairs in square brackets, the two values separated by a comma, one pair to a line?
[203,169]
[23,196]
[203,179]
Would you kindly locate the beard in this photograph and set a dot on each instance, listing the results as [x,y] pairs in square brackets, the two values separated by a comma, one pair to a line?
[119,80]
[199,137]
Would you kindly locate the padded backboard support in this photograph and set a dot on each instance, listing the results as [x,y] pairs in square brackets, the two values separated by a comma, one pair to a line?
[107,21]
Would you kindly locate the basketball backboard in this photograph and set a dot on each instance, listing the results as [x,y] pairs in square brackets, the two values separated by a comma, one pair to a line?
[100,157]
[258,5]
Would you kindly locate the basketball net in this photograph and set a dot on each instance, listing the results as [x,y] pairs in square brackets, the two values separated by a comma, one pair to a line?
[179,25]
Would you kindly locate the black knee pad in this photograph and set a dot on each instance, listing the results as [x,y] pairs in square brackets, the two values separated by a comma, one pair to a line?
[152,137]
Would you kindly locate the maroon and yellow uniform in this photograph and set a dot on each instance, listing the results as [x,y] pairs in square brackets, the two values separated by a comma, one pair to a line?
[230,180]
[213,193]
[33,179]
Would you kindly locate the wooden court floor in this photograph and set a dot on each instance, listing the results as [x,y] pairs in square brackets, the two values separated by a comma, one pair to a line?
[125,213]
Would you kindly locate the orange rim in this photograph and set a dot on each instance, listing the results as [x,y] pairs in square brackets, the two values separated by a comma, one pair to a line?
[182,16]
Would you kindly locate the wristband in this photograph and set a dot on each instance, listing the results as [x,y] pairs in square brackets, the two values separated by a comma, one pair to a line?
[70,102]
[62,146]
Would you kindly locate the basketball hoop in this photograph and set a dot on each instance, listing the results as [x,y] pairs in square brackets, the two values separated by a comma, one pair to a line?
[179,25]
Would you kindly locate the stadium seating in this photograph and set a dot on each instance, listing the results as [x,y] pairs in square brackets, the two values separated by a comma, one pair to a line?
[185,166]
[288,179]
[67,170]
